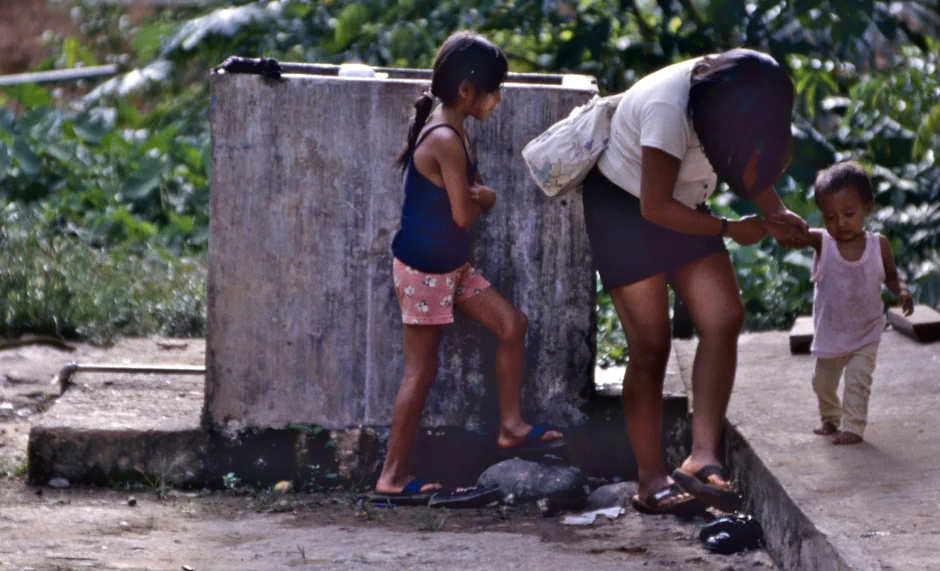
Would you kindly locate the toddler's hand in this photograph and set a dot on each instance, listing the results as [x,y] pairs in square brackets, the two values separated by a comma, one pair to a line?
[483,196]
[906,302]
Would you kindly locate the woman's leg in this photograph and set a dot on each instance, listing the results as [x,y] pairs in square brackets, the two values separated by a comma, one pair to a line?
[710,290]
[509,325]
[420,345]
[643,308]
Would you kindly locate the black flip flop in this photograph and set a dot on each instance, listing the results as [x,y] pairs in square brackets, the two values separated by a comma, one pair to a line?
[533,446]
[466,498]
[410,495]
[652,504]
[698,485]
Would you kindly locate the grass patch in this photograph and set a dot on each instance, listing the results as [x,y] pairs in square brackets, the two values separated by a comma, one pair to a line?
[56,284]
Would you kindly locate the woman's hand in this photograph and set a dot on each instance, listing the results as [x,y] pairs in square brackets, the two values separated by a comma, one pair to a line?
[788,229]
[483,196]
[747,230]
[787,235]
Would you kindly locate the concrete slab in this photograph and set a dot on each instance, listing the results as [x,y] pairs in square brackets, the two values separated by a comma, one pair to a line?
[869,506]
[801,334]
[108,426]
[923,324]
[106,429]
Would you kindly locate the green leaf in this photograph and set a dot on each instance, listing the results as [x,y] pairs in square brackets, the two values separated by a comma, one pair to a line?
[349,25]
[58,149]
[29,94]
[89,128]
[7,120]
[25,157]
[929,128]
[4,160]
[143,181]
[184,224]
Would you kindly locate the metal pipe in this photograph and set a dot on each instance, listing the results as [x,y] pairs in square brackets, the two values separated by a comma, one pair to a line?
[404,73]
[60,75]
[64,377]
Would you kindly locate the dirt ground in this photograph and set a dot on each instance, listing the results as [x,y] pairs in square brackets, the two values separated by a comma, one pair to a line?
[91,528]
[23,22]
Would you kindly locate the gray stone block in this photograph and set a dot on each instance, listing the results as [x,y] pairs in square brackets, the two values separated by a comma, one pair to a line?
[529,481]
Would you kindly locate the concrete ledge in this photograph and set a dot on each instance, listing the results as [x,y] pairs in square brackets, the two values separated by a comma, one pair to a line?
[107,430]
[790,536]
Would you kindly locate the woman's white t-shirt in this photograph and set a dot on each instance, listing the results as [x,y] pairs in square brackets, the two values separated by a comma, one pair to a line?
[653,113]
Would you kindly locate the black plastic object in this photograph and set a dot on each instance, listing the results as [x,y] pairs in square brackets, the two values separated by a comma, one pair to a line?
[732,534]
[265,67]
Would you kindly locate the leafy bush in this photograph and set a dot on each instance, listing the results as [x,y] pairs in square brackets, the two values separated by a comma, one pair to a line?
[124,167]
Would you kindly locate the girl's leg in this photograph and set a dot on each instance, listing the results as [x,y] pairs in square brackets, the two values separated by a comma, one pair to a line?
[496,314]
[420,345]
[710,290]
[643,308]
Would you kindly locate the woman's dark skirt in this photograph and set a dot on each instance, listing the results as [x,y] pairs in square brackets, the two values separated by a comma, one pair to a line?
[626,247]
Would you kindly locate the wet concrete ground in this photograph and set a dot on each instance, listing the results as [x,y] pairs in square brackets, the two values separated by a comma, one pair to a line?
[93,528]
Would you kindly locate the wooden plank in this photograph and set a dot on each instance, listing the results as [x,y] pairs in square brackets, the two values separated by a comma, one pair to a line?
[801,335]
[922,325]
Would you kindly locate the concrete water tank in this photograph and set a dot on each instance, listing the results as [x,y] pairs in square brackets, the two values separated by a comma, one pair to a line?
[303,323]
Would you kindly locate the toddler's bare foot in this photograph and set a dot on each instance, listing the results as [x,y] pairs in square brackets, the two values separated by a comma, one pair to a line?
[846,438]
[825,429]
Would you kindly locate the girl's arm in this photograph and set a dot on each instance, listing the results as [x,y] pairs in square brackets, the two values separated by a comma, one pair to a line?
[894,282]
[481,195]
[448,151]
[660,171]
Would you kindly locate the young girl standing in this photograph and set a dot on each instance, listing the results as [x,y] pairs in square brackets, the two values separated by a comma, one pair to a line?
[849,267]
[444,195]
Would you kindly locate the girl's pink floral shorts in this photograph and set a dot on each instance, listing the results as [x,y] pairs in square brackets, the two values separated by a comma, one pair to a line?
[428,299]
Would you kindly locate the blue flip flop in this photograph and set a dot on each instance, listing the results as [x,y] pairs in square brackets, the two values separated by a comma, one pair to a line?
[466,498]
[410,495]
[533,445]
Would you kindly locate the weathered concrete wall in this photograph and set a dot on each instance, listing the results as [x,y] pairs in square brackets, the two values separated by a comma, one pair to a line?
[303,323]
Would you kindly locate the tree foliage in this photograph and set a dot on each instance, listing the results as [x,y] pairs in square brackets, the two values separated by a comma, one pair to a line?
[126,163]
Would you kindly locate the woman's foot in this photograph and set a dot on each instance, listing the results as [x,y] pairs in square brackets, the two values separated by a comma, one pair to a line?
[708,483]
[670,500]
[712,478]
[825,428]
[656,485]
[846,438]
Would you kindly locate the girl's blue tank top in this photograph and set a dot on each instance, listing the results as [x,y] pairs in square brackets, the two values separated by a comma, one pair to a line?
[429,240]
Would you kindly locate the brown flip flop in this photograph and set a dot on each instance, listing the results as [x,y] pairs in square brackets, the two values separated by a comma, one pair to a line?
[700,486]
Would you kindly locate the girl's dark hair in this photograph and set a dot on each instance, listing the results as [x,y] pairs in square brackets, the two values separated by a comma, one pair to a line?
[840,175]
[740,101]
[464,56]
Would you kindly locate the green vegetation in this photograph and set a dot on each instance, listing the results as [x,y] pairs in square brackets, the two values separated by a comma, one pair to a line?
[105,187]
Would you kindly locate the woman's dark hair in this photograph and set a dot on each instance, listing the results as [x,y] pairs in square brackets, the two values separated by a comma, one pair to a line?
[741,101]
[841,175]
[464,56]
